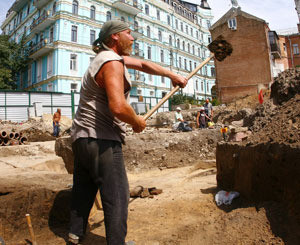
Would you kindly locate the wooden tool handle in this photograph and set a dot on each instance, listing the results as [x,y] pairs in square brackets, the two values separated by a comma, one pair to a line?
[33,240]
[174,90]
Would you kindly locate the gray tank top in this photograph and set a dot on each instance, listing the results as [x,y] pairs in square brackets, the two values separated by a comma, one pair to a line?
[93,117]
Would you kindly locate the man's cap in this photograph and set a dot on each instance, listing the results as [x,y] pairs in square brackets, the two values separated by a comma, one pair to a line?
[109,28]
[202,108]
[178,109]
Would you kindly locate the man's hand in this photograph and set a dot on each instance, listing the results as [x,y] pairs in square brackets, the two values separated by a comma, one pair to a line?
[178,80]
[140,125]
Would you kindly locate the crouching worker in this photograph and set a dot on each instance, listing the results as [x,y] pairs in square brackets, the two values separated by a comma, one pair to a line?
[180,124]
[98,131]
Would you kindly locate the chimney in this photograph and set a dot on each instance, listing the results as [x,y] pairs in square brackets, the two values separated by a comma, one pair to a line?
[204,4]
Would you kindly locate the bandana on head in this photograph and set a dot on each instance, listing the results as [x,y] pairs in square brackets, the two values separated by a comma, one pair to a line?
[109,28]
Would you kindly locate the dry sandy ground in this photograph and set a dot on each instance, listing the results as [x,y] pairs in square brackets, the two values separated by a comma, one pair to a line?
[185,213]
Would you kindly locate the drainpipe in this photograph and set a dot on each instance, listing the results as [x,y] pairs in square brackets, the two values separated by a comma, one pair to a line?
[291,51]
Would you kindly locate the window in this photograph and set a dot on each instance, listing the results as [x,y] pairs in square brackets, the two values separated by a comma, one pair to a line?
[195,65]
[202,86]
[183,45]
[151,93]
[213,71]
[189,48]
[193,49]
[159,36]
[232,24]
[39,70]
[176,24]
[139,92]
[209,39]
[73,61]
[180,65]
[122,18]
[148,31]
[181,26]
[170,40]
[25,30]
[28,8]
[197,88]
[73,87]
[186,29]
[29,75]
[49,64]
[161,55]
[207,88]
[147,9]
[92,36]
[197,34]
[190,65]
[178,43]
[51,35]
[108,16]
[50,87]
[135,4]
[93,12]
[150,78]
[192,33]
[185,64]
[74,34]
[21,16]
[158,14]
[163,80]
[54,8]
[295,48]
[136,25]
[149,53]
[75,7]
[208,24]
[199,52]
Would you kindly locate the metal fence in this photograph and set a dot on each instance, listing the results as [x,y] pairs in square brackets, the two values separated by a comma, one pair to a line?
[17,106]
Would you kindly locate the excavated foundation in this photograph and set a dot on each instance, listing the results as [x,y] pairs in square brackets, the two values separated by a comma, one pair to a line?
[262,172]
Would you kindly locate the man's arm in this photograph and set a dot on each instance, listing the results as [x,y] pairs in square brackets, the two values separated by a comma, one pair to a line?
[155,69]
[112,77]
[198,115]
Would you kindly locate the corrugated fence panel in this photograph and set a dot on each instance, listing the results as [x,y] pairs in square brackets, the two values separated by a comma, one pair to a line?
[66,111]
[45,98]
[17,114]
[61,100]
[17,98]
[2,113]
[76,98]
[2,98]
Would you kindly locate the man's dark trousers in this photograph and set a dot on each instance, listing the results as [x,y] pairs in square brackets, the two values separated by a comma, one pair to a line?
[99,164]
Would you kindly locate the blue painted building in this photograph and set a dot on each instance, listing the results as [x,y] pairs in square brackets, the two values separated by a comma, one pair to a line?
[172,33]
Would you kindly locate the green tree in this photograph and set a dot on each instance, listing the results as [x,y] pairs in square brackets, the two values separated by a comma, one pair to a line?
[13,60]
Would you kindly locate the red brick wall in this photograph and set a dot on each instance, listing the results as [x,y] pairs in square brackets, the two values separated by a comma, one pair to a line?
[294,59]
[249,65]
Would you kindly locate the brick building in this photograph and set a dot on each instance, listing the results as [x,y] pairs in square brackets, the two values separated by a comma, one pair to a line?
[250,64]
[292,48]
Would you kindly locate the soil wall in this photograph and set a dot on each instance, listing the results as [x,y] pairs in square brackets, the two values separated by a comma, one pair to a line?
[267,171]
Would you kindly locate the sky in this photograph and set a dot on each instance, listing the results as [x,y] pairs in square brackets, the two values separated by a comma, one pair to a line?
[280,14]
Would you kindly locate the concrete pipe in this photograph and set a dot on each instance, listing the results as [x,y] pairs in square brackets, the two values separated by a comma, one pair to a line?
[1,141]
[6,141]
[22,140]
[3,134]
[11,135]
[17,135]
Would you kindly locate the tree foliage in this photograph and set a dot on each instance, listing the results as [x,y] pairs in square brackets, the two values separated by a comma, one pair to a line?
[13,60]
[180,98]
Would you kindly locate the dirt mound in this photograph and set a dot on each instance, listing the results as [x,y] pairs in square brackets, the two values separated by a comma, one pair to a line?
[286,86]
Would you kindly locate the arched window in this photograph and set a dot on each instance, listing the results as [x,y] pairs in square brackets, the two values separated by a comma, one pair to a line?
[185,64]
[147,9]
[199,52]
[93,12]
[158,14]
[170,40]
[179,62]
[176,24]
[178,43]
[181,26]
[161,55]
[75,7]
[54,8]
[122,18]
[108,15]
[186,29]
[159,36]
[197,88]
[183,45]
[193,49]
[202,85]
[148,31]
[191,65]
[149,53]
[189,49]
[169,20]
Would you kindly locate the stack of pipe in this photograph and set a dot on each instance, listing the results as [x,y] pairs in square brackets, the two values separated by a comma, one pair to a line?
[12,138]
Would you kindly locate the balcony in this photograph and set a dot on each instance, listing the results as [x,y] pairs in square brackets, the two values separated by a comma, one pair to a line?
[18,5]
[40,49]
[38,25]
[137,78]
[137,53]
[40,3]
[275,50]
[136,31]
[128,6]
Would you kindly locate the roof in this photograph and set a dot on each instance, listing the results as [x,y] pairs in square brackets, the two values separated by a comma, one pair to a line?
[233,12]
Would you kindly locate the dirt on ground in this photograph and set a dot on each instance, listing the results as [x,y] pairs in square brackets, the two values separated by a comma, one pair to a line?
[35,180]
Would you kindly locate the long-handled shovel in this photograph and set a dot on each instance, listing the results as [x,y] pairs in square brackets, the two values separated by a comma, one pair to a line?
[219,48]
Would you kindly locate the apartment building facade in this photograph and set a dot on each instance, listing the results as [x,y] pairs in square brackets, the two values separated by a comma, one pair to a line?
[60,34]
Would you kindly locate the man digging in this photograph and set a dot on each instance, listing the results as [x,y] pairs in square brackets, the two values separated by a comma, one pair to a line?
[98,132]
